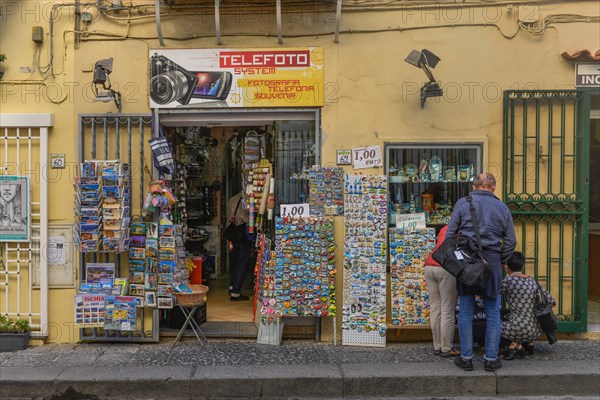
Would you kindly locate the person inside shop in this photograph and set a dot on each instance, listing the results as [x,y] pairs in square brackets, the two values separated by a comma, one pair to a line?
[498,241]
[442,303]
[241,250]
[520,327]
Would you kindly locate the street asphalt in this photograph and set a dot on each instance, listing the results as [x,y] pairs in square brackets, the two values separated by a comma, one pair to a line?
[238,369]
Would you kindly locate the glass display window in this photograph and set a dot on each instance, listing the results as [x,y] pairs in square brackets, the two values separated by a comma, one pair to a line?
[430,179]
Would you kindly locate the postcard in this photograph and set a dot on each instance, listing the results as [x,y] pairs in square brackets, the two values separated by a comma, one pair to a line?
[121,285]
[88,310]
[89,212]
[151,265]
[152,247]
[87,187]
[167,242]
[89,227]
[150,299]
[112,213]
[112,202]
[137,253]
[139,301]
[165,230]
[179,241]
[112,244]
[88,197]
[149,281]
[120,234]
[97,271]
[136,277]
[165,302]
[89,169]
[111,191]
[152,230]
[90,220]
[138,241]
[166,254]
[137,265]
[136,289]
[165,279]
[87,246]
[164,290]
[122,315]
[89,236]
[178,229]
[166,267]
[138,228]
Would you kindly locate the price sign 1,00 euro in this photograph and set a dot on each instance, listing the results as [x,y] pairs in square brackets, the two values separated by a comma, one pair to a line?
[367,157]
[295,210]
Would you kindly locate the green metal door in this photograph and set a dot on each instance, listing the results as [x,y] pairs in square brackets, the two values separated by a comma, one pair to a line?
[546,186]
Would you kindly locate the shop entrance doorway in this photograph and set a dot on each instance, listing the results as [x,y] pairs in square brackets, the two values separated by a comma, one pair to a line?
[212,152]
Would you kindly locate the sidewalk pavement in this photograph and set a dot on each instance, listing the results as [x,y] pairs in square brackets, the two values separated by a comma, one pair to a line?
[244,369]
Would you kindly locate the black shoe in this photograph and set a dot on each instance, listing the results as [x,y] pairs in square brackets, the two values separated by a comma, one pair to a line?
[492,366]
[437,352]
[239,298]
[529,348]
[463,363]
[449,354]
[511,353]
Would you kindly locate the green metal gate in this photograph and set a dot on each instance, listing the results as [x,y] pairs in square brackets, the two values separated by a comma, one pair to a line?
[546,186]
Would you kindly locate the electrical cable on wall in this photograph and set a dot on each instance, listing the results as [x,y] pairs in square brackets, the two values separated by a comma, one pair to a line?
[537,28]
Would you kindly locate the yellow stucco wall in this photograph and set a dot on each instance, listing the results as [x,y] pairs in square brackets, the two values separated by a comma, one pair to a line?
[371,94]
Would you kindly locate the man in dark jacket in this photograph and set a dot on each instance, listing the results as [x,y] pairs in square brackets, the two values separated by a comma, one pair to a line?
[498,241]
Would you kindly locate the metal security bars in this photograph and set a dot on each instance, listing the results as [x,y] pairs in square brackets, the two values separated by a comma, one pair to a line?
[24,153]
[294,155]
[121,137]
[546,186]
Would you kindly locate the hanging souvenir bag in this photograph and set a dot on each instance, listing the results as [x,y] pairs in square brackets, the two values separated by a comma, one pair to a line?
[161,151]
[463,258]
[544,314]
[235,233]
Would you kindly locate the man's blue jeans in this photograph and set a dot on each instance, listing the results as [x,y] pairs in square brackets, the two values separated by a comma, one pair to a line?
[491,307]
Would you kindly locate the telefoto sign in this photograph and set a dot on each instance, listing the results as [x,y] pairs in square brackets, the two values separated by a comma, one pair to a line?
[212,78]
[253,59]
[587,75]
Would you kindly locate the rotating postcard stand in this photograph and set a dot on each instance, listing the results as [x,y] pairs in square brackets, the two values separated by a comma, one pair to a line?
[103,309]
[106,137]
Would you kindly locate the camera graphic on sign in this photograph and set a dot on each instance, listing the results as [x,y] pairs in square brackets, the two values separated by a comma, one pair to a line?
[169,82]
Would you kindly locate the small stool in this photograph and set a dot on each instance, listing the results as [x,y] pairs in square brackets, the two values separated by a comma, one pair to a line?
[189,303]
[188,312]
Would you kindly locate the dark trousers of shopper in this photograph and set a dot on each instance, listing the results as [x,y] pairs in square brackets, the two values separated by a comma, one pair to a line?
[241,264]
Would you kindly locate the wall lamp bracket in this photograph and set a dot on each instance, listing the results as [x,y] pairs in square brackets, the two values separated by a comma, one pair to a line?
[426,60]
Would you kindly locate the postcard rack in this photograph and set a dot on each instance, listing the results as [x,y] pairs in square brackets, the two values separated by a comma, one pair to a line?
[102,233]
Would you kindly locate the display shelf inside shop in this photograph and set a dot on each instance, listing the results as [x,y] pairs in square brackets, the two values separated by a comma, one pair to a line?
[430,178]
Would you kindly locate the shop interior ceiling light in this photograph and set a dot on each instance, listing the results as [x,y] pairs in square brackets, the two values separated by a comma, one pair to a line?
[101,83]
[426,60]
